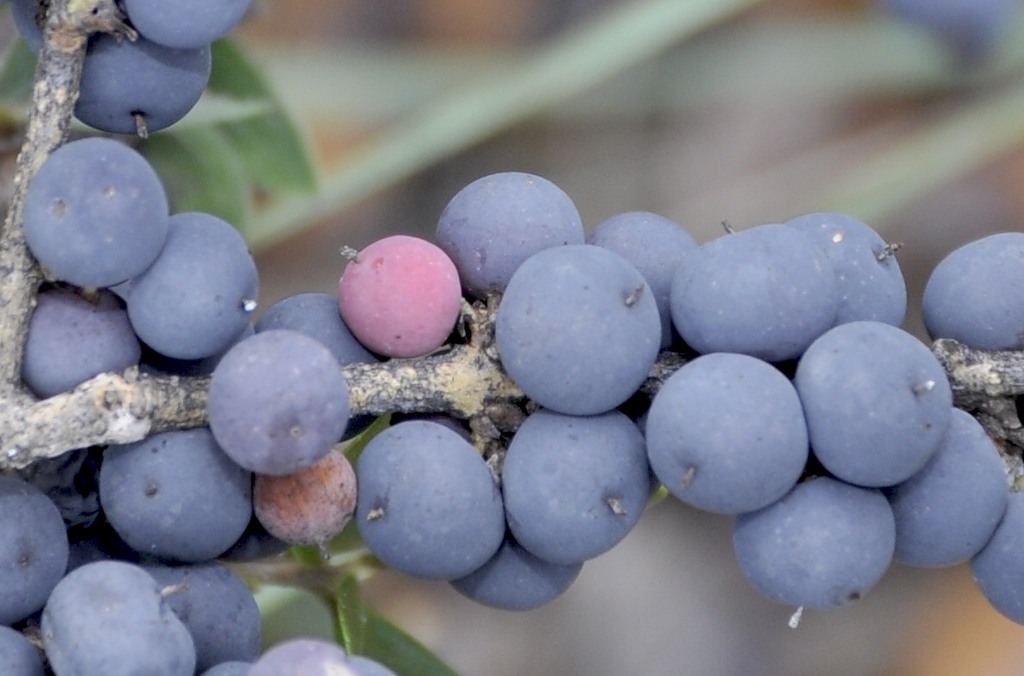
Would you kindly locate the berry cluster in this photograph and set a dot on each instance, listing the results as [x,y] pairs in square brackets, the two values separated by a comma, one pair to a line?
[762,375]
[803,408]
[153,71]
[139,525]
[108,553]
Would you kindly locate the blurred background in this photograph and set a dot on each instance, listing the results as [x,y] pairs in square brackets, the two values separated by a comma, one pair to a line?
[705,111]
[744,112]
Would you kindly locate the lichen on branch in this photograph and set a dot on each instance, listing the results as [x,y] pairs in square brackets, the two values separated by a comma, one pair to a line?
[110,408]
[119,408]
[988,385]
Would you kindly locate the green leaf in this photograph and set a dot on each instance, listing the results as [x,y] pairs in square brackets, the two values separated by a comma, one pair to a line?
[219,109]
[348,540]
[307,555]
[956,142]
[356,446]
[16,75]
[235,75]
[575,62]
[658,496]
[292,612]
[201,172]
[351,616]
[272,150]
[399,651]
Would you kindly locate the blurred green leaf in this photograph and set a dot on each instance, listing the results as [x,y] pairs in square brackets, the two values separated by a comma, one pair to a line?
[399,651]
[834,57]
[201,172]
[944,148]
[356,446]
[292,612]
[273,151]
[219,109]
[235,75]
[497,99]
[351,616]
[348,540]
[658,496]
[307,555]
[16,74]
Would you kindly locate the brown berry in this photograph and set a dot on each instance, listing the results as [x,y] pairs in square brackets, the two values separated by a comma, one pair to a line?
[308,507]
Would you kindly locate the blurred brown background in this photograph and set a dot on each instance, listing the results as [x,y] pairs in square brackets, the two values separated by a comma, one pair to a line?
[669,599]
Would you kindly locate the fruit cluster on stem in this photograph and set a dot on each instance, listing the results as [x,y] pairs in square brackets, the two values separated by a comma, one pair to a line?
[466,381]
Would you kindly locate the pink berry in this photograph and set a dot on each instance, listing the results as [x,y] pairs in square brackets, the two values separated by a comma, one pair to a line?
[400,296]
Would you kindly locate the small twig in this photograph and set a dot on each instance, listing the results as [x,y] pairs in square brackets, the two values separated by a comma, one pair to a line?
[108,409]
[987,385]
[979,375]
[111,408]
[463,381]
